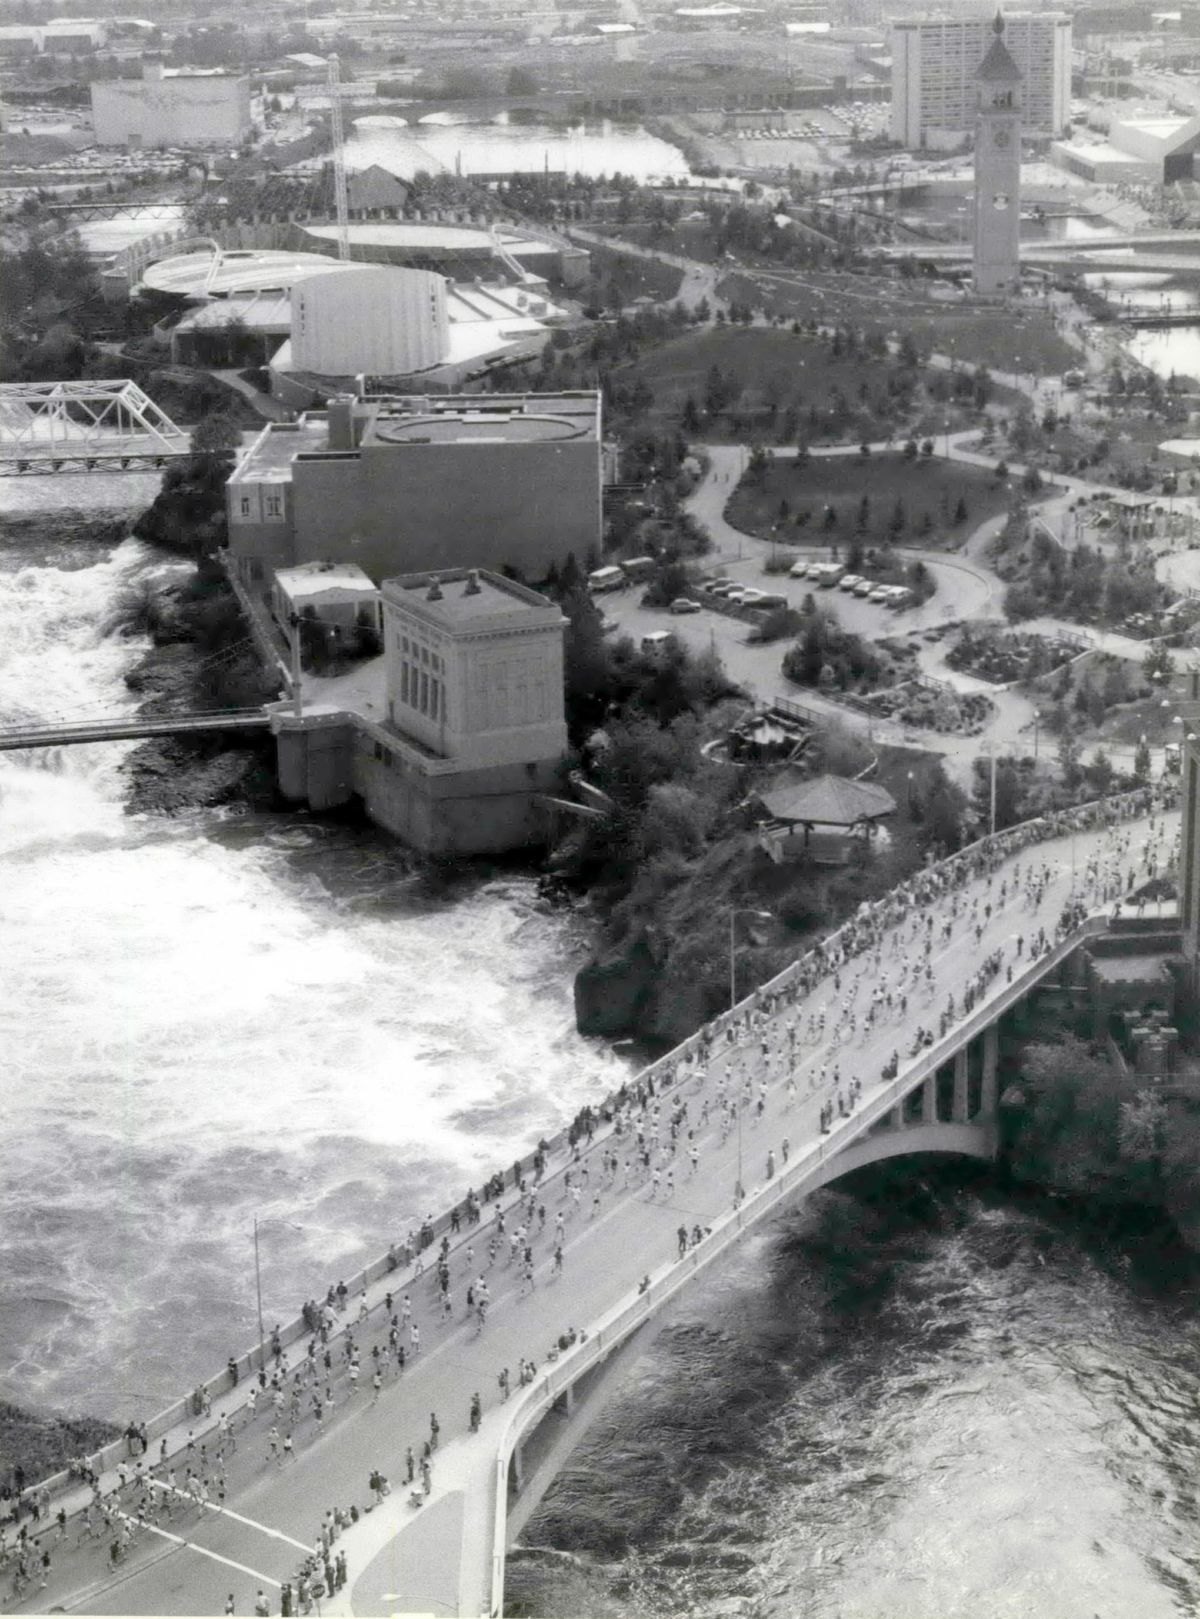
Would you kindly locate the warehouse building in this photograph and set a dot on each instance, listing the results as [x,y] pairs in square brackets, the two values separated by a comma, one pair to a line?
[169,107]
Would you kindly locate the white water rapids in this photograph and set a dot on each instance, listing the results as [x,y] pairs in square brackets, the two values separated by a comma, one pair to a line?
[211,1017]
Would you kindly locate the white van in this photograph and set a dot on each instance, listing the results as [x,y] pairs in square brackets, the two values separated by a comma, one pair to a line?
[656,643]
[606,579]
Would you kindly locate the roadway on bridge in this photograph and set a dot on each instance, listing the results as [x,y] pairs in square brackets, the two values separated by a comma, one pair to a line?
[404,1560]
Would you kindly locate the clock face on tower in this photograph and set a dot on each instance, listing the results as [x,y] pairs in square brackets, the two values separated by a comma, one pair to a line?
[1000,137]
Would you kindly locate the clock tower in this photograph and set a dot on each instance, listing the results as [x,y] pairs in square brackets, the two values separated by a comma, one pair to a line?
[997,253]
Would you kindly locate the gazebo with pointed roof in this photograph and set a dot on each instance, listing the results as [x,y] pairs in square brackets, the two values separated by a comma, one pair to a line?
[823,804]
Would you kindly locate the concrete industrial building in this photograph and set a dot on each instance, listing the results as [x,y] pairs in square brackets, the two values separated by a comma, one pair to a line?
[934,61]
[451,737]
[400,483]
[1134,149]
[996,262]
[169,107]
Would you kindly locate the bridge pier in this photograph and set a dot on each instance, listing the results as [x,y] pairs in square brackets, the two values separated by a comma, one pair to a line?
[961,1107]
[929,1107]
[988,1094]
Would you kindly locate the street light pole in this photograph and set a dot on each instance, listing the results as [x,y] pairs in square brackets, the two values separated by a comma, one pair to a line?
[763,916]
[258,1294]
[993,792]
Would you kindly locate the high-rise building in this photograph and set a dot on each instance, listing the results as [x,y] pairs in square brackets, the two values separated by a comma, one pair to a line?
[934,62]
[997,255]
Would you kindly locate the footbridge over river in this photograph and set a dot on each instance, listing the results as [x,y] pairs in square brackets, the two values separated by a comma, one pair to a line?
[111,426]
[67,732]
[629,1247]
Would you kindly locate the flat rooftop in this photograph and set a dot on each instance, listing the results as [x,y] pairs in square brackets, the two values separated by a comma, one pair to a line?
[475,428]
[480,418]
[318,578]
[467,598]
[271,454]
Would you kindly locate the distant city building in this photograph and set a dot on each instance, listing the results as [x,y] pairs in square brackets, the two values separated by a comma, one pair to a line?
[1145,150]
[65,35]
[73,34]
[452,743]
[20,39]
[934,60]
[166,107]
[400,483]
[997,252]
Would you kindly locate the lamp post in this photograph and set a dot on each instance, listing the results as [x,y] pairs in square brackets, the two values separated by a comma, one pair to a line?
[274,1220]
[762,916]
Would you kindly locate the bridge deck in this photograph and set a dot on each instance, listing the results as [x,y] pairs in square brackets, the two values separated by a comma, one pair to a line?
[405,1561]
[120,728]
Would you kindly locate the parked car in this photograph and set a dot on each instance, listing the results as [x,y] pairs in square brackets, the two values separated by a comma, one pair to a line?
[684,604]
[849,581]
[864,587]
[800,570]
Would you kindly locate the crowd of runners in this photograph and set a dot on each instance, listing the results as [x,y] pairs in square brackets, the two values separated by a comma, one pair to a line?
[798,1036]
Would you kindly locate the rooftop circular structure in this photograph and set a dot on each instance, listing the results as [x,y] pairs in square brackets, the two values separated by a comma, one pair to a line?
[402,237]
[197,277]
[448,429]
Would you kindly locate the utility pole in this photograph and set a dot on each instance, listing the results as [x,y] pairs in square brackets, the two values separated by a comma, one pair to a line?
[294,651]
[262,1337]
[993,794]
[339,158]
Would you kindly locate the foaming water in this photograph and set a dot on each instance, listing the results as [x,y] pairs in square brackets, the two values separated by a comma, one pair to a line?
[902,1405]
[207,1018]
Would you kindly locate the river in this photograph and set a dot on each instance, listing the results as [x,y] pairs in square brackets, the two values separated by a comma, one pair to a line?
[211,1017]
[920,1395]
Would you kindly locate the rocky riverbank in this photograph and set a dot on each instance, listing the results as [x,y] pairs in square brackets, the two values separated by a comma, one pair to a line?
[199,658]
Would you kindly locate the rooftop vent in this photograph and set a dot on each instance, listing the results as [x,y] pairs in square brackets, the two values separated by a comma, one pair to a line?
[473,586]
[435,591]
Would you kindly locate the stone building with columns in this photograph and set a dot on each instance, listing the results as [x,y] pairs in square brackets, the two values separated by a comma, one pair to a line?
[451,738]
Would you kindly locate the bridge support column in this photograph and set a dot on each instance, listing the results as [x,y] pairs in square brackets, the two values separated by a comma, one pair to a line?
[565,1402]
[516,1468]
[960,1086]
[929,1100]
[987,1096]
[895,1119]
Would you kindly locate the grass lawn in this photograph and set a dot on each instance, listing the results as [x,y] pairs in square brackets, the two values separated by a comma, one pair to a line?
[1022,339]
[626,277]
[928,485]
[771,362]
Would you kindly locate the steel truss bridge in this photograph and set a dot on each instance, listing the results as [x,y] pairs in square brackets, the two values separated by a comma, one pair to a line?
[83,427]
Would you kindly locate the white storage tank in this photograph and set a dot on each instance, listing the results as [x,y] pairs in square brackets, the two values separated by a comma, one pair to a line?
[385,320]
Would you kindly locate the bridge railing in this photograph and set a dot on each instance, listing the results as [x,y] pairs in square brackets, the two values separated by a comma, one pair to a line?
[998,845]
[666,1071]
[625,1318]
